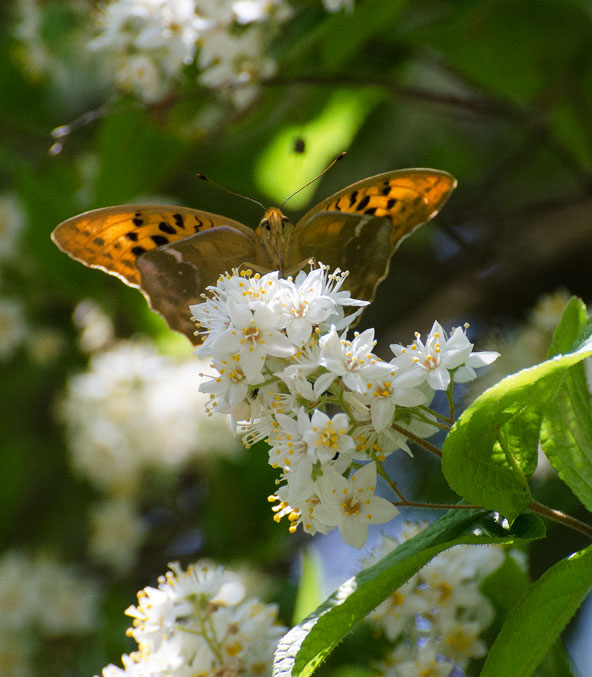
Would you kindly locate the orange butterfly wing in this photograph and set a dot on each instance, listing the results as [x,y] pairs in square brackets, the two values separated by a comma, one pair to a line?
[360,227]
[113,238]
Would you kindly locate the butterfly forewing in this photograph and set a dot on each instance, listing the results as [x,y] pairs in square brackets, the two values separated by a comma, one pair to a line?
[403,199]
[113,238]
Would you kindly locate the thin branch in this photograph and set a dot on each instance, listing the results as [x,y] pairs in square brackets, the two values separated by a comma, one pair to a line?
[418,440]
[436,506]
[560,518]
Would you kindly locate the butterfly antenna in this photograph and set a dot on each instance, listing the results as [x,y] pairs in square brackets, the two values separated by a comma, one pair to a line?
[339,157]
[227,190]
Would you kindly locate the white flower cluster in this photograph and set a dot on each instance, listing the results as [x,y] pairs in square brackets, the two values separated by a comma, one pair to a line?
[41,600]
[12,223]
[197,623]
[13,327]
[436,619]
[151,41]
[134,410]
[338,5]
[322,402]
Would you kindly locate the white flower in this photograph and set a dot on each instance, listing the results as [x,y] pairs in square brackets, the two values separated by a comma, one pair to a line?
[134,409]
[67,601]
[138,74]
[12,221]
[352,503]
[460,642]
[338,5]
[117,531]
[247,11]
[253,334]
[229,389]
[397,389]
[439,611]
[193,623]
[13,328]
[440,355]
[319,439]
[424,661]
[302,506]
[306,303]
[17,594]
[353,360]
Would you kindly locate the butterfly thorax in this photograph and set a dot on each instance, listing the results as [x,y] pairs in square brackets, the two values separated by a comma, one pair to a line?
[275,229]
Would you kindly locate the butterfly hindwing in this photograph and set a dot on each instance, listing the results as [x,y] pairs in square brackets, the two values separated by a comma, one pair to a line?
[362,246]
[113,238]
[173,276]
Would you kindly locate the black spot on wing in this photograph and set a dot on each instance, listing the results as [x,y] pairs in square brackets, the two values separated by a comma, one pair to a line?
[99,241]
[391,203]
[138,251]
[179,220]
[132,236]
[363,203]
[370,210]
[353,197]
[159,240]
[166,228]
[137,221]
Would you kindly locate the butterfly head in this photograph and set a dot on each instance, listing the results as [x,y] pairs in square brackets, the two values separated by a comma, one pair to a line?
[275,229]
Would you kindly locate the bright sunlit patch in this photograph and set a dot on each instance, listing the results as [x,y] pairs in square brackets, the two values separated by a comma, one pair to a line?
[279,171]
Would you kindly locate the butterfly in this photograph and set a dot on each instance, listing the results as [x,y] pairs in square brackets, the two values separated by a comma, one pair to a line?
[171,254]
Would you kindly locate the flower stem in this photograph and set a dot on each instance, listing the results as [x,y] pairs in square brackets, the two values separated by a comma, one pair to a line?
[560,518]
[418,440]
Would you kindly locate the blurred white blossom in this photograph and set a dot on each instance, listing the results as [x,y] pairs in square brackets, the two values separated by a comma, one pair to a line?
[13,327]
[42,593]
[134,410]
[338,5]
[197,622]
[117,530]
[12,222]
[151,41]
[436,619]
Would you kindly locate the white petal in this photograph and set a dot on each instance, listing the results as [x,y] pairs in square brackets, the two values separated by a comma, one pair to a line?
[380,511]
[482,359]
[438,378]
[277,344]
[382,411]
[464,374]
[409,397]
[299,330]
[354,531]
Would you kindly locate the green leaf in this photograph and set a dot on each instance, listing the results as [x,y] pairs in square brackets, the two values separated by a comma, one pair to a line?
[536,621]
[568,330]
[302,649]
[491,448]
[566,433]
[505,587]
